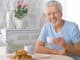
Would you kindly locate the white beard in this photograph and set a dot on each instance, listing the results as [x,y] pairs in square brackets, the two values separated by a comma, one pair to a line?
[56,23]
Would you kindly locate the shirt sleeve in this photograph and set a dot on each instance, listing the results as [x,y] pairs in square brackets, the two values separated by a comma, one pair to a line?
[75,34]
[43,34]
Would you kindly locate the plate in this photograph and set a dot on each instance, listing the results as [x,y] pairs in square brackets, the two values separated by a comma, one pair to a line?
[10,55]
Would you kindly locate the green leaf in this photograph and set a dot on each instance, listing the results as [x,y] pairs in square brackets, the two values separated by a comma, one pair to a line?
[19,13]
[25,10]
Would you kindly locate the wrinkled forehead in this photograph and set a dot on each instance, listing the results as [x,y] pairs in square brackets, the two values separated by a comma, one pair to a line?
[52,8]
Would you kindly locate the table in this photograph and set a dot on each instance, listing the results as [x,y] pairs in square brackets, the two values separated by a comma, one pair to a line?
[52,57]
[43,57]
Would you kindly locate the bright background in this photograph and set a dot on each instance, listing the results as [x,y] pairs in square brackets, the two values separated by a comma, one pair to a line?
[73,11]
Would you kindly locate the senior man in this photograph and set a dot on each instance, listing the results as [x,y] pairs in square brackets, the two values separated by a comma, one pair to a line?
[65,34]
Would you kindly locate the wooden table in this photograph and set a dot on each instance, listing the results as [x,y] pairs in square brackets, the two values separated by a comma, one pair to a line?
[43,57]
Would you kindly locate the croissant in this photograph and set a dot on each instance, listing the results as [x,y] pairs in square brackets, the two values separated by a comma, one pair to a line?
[21,55]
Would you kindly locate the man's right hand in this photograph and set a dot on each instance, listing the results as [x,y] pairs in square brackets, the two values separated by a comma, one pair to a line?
[59,41]
[63,52]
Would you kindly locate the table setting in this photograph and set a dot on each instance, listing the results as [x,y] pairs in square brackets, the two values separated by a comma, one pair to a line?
[36,56]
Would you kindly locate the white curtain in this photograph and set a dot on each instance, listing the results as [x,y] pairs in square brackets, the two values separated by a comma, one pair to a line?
[34,10]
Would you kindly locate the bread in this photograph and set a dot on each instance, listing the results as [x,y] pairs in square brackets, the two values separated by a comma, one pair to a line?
[21,55]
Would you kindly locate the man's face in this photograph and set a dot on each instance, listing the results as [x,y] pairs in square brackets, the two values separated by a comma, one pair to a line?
[53,15]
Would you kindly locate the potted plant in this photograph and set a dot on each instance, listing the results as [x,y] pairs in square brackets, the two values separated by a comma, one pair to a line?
[20,12]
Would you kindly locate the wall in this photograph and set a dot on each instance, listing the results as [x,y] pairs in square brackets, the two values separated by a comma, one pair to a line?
[73,11]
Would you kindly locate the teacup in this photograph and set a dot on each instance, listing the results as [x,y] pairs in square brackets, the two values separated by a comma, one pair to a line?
[28,48]
[49,39]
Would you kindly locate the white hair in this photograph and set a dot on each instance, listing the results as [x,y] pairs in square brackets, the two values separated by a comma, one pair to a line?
[54,3]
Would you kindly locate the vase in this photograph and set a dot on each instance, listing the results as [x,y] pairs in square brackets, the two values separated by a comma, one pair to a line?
[19,23]
[8,15]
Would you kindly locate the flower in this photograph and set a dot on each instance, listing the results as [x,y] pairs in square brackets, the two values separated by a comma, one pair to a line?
[21,9]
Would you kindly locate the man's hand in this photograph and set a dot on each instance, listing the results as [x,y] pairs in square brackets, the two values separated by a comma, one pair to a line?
[63,52]
[59,41]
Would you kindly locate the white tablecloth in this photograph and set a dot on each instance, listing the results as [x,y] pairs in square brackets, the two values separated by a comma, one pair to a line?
[42,57]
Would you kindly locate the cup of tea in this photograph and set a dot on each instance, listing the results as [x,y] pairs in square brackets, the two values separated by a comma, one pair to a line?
[28,48]
[49,39]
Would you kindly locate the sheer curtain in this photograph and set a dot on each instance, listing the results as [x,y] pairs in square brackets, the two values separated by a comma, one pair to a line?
[34,10]
[31,20]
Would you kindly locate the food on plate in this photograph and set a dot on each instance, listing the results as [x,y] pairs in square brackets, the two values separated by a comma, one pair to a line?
[21,55]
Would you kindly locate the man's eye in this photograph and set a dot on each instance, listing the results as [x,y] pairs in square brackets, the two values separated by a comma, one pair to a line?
[49,13]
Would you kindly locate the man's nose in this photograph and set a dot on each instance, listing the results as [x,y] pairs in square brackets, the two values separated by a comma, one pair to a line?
[52,15]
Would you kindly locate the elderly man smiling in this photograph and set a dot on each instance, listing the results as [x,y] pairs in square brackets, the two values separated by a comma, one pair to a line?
[65,34]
